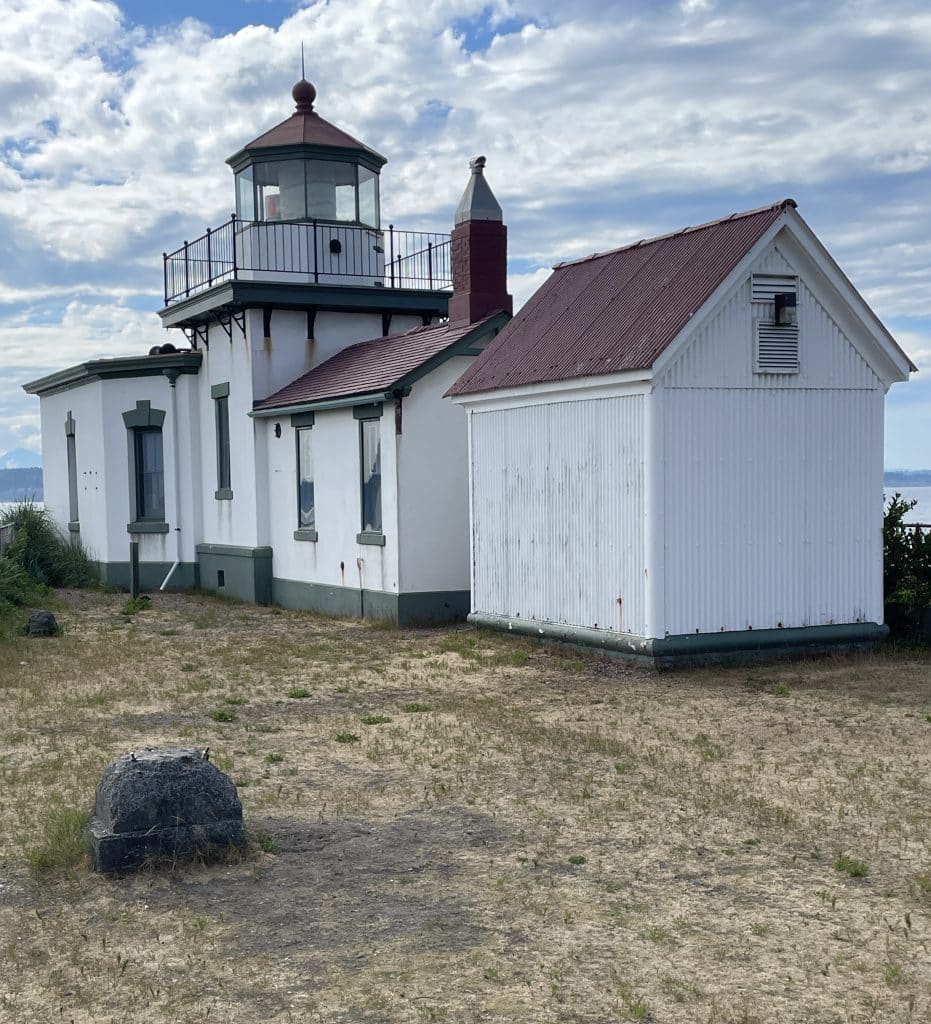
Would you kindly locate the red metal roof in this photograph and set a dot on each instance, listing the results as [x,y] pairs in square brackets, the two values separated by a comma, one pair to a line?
[617,310]
[309,129]
[373,366]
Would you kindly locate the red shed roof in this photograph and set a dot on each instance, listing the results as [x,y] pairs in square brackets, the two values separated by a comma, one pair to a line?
[379,365]
[617,310]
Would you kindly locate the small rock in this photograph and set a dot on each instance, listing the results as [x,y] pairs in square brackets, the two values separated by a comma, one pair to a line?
[43,623]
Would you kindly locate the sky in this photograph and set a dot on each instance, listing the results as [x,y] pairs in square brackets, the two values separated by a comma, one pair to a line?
[603,123]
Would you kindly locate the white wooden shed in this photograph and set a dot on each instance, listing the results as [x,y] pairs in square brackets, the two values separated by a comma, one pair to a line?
[676,448]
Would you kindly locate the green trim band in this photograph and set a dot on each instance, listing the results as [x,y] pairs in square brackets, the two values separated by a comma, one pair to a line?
[224,494]
[685,646]
[374,537]
[338,298]
[302,419]
[147,526]
[74,526]
[151,575]
[113,369]
[234,551]
[425,608]
[220,390]
[305,534]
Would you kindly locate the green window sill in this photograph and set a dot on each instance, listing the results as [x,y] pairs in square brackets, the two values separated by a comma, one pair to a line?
[223,494]
[147,526]
[305,534]
[375,537]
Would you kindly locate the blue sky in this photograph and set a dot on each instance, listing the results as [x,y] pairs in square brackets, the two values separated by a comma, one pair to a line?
[602,122]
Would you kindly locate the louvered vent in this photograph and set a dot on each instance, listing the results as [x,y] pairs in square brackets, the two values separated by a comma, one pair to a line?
[776,344]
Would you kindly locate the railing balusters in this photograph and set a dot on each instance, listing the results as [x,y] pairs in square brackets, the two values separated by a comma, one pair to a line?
[414,259]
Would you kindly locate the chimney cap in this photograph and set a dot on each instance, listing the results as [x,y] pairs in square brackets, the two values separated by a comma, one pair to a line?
[478,201]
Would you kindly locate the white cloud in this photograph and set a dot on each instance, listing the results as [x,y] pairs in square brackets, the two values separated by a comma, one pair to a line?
[602,122]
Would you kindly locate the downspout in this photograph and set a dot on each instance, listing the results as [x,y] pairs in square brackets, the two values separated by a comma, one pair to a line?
[172,376]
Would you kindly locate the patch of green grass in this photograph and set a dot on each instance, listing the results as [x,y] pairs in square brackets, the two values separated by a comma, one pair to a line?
[274,758]
[708,750]
[133,605]
[64,843]
[375,719]
[265,841]
[298,693]
[223,715]
[415,708]
[780,690]
[236,701]
[923,881]
[347,737]
[850,866]
[577,859]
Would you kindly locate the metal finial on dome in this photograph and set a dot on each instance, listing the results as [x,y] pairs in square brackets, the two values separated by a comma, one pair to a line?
[304,95]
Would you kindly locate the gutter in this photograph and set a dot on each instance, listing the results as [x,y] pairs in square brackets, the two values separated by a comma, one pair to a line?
[172,376]
[330,403]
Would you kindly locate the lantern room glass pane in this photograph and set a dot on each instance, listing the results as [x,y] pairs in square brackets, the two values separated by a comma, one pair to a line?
[331,190]
[268,191]
[368,197]
[245,196]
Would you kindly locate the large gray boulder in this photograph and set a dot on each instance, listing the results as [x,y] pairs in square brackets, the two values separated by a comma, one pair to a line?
[158,804]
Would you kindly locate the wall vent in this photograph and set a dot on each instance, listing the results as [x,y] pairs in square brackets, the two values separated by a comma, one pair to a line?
[776,344]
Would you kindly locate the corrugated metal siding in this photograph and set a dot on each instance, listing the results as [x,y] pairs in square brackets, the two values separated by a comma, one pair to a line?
[557,506]
[721,353]
[773,512]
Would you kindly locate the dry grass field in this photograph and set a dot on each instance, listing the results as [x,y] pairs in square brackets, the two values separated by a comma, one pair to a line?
[453,825]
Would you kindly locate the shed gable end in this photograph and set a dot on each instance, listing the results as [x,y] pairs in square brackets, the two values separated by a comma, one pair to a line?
[739,344]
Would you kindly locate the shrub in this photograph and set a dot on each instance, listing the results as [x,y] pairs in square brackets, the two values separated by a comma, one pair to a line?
[41,551]
[906,557]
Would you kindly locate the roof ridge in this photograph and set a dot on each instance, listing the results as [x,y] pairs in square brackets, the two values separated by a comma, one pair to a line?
[782,204]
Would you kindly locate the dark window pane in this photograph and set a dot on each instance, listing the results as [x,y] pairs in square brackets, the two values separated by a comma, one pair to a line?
[371,475]
[245,197]
[305,481]
[72,480]
[368,197]
[150,475]
[223,443]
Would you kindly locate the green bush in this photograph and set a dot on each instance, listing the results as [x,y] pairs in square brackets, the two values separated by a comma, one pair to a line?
[41,551]
[906,557]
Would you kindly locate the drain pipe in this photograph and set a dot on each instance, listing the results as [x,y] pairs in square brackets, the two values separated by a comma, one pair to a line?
[172,376]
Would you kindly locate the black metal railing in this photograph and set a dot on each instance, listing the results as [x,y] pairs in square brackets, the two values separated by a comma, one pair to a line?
[312,252]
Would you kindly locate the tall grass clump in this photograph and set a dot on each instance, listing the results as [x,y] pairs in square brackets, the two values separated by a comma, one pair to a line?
[63,844]
[41,551]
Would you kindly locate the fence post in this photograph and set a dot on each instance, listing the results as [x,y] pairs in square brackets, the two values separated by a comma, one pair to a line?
[165,275]
[316,274]
[233,233]
[391,251]
[187,278]
[430,262]
[209,261]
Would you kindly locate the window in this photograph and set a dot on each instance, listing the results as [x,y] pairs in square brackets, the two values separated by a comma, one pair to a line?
[370,449]
[146,469]
[150,474]
[306,507]
[775,323]
[221,401]
[311,189]
[73,522]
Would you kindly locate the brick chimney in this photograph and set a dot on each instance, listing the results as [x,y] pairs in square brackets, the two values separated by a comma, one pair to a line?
[479,253]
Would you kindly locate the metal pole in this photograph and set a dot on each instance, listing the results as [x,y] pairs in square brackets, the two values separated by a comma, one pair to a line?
[134,568]
[233,233]
[209,262]
[391,251]
[316,275]
[165,274]
[430,262]
[187,279]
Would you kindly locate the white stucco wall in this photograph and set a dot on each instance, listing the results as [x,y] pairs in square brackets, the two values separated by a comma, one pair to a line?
[337,496]
[433,490]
